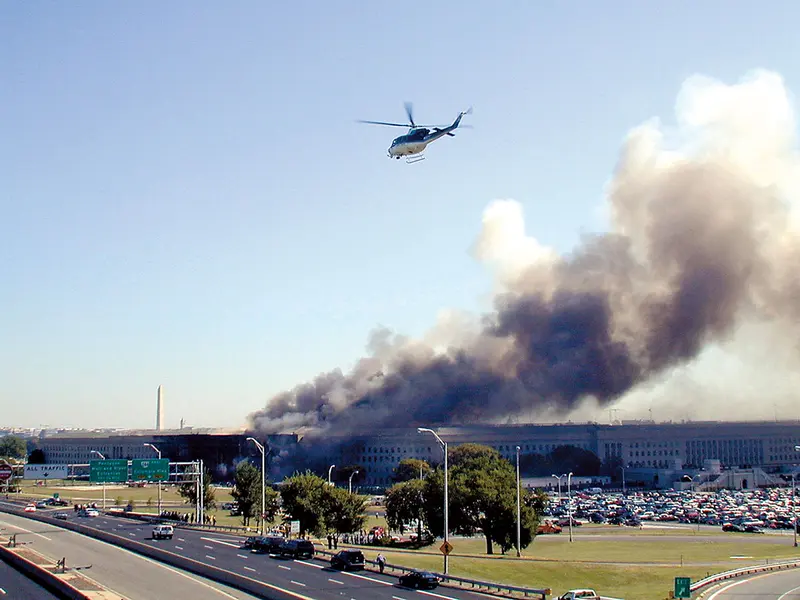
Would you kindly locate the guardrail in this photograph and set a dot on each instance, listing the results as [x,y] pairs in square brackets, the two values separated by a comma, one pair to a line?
[485,587]
[707,582]
[42,576]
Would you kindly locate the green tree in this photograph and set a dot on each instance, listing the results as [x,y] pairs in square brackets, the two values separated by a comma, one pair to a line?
[246,490]
[12,446]
[302,501]
[342,511]
[482,497]
[188,491]
[411,468]
[404,504]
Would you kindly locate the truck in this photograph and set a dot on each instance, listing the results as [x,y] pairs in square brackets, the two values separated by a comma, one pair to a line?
[584,594]
[161,532]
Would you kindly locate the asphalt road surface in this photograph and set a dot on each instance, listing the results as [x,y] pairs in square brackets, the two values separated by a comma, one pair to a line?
[783,585]
[126,573]
[16,586]
[311,579]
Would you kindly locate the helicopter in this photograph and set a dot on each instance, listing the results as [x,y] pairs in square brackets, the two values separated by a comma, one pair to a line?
[412,145]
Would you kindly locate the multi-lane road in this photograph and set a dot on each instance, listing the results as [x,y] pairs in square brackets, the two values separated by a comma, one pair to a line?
[305,579]
[783,585]
[16,586]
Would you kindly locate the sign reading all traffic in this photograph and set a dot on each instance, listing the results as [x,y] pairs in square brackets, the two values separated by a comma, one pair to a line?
[108,471]
[45,471]
[5,472]
[152,469]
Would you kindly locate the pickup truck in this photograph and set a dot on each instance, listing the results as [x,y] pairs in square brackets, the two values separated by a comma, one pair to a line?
[584,594]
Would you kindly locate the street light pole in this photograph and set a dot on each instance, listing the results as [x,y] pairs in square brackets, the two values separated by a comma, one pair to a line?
[330,470]
[350,483]
[558,477]
[519,512]
[623,480]
[159,483]
[569,502]
[104,483]
[263,482]
[446,524]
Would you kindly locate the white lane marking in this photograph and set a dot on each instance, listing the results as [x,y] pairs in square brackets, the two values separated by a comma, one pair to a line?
[211,557]
[242,556]
[285,567]
[181,540]
[220,542]
[179,547]
[786,595]
[250,569]
[336,581]
[26,530]
[398,598]
[298,583]
[132,534]
[368,578]
[435,595]
[208,547]
[302,562]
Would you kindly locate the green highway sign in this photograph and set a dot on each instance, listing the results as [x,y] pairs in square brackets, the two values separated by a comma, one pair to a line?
[683,587]
[150,469]
[108,471]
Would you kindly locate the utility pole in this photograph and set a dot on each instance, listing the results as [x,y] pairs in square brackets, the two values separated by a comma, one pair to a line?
[519,512]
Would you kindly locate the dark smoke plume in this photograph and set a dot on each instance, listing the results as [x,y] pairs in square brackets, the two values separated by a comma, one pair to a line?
[701,240]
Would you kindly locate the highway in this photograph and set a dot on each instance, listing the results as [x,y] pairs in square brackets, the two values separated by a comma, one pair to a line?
[128,574]
[16,586]
[783,585]
[309,579]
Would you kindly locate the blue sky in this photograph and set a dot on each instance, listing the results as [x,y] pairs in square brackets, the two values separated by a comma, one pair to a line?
[186,199]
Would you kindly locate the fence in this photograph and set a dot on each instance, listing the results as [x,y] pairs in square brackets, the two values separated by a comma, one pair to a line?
[703,584]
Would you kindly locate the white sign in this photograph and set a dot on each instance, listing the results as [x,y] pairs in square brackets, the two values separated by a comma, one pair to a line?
[295,526]
[46,471]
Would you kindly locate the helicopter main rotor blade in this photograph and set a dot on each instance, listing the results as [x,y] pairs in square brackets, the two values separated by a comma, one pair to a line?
[384,123]
[409,110]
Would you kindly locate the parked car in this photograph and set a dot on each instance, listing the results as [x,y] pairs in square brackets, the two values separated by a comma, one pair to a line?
[348,559]
[297,549]
[419,579]
[161,532]
[267,545]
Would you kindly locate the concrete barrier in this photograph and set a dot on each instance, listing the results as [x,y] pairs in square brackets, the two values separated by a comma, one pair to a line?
[42,576]
[240,582]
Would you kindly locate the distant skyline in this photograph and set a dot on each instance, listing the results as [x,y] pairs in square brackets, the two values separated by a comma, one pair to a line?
[188,201]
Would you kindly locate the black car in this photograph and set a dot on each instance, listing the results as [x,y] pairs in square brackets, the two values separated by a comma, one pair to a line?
[267,545]
[297,549]
[419,579]
[348,559]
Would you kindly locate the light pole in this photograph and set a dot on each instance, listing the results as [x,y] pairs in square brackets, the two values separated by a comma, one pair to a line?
[558,477]
[263,482]
[569,502]
[623,480]
[159,483]
[519,552]
[794,506]
[104,483]
[330,470]
[350,483]
[444,447]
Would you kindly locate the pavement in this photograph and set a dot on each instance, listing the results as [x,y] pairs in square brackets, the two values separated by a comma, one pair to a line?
[16,586]
[783,585]
[129,575]
[308,579]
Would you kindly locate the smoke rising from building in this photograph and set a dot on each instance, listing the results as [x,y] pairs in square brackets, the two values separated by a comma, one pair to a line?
[701,240]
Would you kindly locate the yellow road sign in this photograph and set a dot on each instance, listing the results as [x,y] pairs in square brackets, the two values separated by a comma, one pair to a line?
[446,548]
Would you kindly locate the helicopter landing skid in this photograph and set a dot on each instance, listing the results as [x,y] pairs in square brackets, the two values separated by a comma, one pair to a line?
[415,158]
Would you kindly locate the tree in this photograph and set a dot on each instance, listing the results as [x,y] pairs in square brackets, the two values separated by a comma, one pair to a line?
[483,494]
[404,503]
[188,491]
[342,511]
[12,446]
[246,490]
[302,501]
[411,468]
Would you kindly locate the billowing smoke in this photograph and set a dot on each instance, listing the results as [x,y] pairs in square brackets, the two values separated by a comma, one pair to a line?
[701,240]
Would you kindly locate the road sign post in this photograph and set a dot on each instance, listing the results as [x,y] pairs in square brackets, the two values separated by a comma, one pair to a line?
[153,469]
[446,548]
[683,587]
[108,471]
